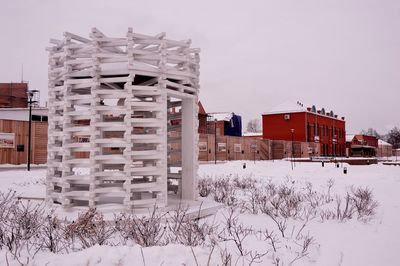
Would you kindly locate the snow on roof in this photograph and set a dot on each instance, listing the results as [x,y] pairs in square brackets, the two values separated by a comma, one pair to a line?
[221,116]
[292,107]
[349,138]
[383,143]
[287,107]
[201,109]
[252,134]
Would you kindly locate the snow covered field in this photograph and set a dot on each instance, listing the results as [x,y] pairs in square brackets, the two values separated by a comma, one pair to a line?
[372,241]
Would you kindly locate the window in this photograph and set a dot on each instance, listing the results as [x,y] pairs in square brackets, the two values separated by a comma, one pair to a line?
[7,140]
[237,148]
[253,147]
[221,147]
[36,118]
[202,146]
[83,139]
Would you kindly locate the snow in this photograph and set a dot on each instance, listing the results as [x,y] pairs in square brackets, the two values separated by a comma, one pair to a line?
[221,116]
[349,137]
[354,242]
[252,134]
[21,114]
[287,107]
[383,143]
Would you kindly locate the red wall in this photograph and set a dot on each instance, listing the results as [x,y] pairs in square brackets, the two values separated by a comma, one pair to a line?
[275,127]
[328,127]
[365,140]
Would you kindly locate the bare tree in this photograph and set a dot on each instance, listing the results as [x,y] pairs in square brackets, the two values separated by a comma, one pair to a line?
[254,125]
[393,137]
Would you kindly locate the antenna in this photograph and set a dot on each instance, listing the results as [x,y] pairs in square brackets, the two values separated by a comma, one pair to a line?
[22,73]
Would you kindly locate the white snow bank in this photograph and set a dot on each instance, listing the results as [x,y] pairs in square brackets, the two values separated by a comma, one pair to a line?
[354,242]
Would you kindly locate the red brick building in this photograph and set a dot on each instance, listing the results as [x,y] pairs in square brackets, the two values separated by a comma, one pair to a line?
[202,119]
[13,95]
[293,121]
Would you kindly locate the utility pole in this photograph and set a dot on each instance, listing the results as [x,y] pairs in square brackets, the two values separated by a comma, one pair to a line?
[31,101]
[292,131]
[215,141]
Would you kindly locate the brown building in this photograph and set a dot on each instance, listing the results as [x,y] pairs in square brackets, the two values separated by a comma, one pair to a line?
[13,95]
[14,135]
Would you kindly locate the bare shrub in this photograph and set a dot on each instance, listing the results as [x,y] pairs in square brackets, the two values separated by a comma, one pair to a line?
[51,235]
[186,230]
[146,231]
[345,212]
[235,231]
[312,197]
[224,192]
[244,183]
[291,204]
[272,238]
[226,257]
[253,202]
[307,241]
[330,184]
[19,226]
[363,202]
[90,229]
[206,186]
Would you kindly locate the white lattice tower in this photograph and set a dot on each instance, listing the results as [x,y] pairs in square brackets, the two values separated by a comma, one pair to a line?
[108,119]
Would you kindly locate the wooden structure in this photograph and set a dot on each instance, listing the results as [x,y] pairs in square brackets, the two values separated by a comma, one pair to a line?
[17,152]
[230,148]
[111,98]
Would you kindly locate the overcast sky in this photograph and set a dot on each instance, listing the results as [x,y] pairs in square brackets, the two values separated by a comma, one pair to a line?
[341,55]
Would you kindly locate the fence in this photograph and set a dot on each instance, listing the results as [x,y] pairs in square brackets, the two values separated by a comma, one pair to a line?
[247,148]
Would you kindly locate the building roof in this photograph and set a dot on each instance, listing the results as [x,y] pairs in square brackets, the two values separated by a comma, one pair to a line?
[292,107]
[349,137]
[252,134]
[221,116]
[287,107]
[201,109]
[383,143]
[21,114]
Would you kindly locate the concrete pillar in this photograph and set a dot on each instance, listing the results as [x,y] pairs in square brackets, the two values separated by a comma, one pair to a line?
[189,148]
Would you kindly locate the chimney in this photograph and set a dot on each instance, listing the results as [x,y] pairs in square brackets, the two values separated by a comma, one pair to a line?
[342,117]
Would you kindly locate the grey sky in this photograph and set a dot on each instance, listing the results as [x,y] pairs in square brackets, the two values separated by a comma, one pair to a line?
[341,55]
